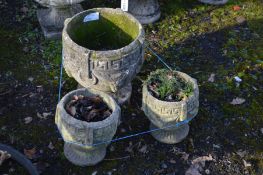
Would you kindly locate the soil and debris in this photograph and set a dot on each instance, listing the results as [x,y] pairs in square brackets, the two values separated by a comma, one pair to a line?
[88,108]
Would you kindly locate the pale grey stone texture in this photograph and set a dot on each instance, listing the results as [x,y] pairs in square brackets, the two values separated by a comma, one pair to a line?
[110,71]
[163,114]
[52,19]
[80,136]
[146,11]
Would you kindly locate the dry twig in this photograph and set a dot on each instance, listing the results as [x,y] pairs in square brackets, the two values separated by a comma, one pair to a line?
[3,156]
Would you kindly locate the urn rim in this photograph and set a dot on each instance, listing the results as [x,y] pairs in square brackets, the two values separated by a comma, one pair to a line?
[125,49]
[184,76]
[113,118]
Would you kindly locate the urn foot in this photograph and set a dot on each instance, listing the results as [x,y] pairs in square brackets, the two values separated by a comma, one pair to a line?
[84,156]
[146,11]
[214,2]
[52,19]
[171,136]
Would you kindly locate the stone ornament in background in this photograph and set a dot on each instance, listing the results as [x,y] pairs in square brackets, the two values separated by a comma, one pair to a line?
[103,49]
[77,133]
[214,2]
[146,11]
[166,114]
[52,19]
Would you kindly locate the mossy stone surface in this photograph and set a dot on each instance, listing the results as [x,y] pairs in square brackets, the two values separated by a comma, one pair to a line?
[113,30]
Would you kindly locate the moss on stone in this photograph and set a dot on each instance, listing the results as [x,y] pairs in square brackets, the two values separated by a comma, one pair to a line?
[111,31]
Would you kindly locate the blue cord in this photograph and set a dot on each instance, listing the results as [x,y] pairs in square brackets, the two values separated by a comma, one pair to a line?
[132,135]
[61,77]
[159,58]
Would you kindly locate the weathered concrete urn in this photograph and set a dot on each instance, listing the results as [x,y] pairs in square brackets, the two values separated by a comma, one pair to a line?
[80,136]
[214,2]
[163,114]
[52,19]
[104,49]
[146,11]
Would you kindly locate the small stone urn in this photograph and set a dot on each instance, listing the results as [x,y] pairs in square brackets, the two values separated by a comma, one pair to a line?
[81,137]
[146,11]
[166,115]
[214,2]
[52,19]
[103,49]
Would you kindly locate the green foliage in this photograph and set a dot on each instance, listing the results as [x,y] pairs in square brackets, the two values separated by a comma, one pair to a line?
[167,85]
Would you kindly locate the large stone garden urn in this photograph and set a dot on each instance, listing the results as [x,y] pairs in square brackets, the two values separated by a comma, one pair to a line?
[103,49]
[214,2]
[81,137]
[146,11]
[52,19]
[166,115]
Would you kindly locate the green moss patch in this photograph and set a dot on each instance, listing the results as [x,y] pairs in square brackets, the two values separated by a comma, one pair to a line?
[111,31]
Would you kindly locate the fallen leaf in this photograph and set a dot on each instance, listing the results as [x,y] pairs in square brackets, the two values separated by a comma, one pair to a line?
[240,19]
[51,146]
[202,159]
[241,153]
[94,173]
[28,120]
[193,170]
[236,8]
[71,110]
[164,166]
[46,114]
[172,161]
[40,88]
[246,164]
[197,165]
[123,130]
[237,79]
[39,115]
[31,79]
[212,78]
[4,156]
[185,156]
[30,153]
[238,101]
[261,130]
[143,149]
[129,148]
[216,146]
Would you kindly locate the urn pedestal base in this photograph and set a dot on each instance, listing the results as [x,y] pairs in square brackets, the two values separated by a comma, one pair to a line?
[146,11]
[214,2]
[122,96]
[171,136]
[84,156]
[52,19]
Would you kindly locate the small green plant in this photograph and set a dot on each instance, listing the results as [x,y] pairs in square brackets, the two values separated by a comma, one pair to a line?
[168,86]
